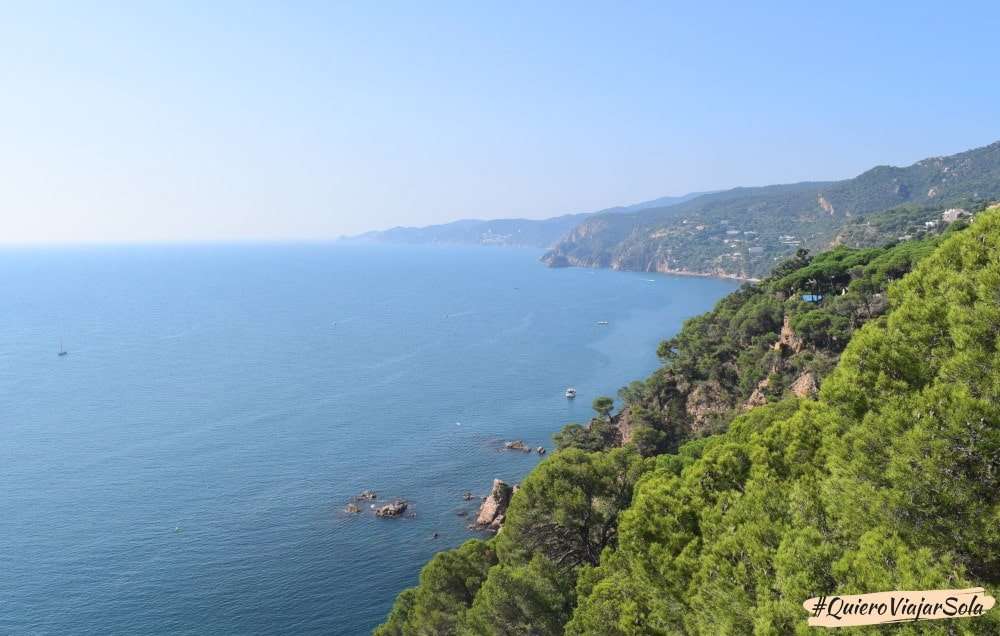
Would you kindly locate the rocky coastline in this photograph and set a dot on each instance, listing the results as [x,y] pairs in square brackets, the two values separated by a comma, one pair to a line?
[556,260]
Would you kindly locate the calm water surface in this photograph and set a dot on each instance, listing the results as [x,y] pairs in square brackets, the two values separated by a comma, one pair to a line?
[185,468]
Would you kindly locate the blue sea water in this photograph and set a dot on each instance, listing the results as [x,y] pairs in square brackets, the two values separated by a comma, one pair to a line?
[185,467]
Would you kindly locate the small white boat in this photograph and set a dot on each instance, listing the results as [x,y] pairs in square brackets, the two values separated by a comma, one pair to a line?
[603,322]
[570,393]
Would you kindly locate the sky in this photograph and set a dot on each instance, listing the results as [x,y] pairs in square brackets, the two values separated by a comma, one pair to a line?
[181,121]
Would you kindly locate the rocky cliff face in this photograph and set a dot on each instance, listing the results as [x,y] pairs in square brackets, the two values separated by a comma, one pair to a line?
[805,385]
[757,398]
[706,399]
[624,427]
[788,342]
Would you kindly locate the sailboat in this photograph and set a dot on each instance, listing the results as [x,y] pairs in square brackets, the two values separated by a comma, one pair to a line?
[62,349]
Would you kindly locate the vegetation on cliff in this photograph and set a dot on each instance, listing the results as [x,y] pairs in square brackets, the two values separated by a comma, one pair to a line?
[889,478]
[745,231]
[766,341]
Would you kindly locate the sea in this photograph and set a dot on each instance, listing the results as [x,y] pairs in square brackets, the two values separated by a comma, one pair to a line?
[185,467]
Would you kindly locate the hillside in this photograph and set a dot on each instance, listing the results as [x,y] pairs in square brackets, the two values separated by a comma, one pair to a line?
[762,343]
[506,232]
[744,232]
[886,478]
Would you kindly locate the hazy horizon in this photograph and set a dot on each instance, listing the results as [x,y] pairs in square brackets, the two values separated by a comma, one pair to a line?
[190,123]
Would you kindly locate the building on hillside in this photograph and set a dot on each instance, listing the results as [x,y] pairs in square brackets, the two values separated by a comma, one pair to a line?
[952,215]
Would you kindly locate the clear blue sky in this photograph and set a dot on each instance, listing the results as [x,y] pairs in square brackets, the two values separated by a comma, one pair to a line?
[194,120]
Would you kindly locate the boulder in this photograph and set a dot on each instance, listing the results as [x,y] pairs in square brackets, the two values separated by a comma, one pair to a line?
[494,507]
[391,509]
[367,495]
[540,450]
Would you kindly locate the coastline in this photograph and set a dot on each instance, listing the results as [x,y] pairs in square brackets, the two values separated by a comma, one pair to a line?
[685,272]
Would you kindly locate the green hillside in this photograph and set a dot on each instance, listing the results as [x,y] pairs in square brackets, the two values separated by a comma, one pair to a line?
[886,479]
[744,232]
[541,233]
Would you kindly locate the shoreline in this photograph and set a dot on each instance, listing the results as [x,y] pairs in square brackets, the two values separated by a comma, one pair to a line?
[685,272]
[561,262]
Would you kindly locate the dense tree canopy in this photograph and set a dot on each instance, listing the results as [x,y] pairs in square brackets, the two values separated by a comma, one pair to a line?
[888,479]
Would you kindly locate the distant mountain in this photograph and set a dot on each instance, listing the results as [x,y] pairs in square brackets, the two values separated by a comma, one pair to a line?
[743,232]
[506,232]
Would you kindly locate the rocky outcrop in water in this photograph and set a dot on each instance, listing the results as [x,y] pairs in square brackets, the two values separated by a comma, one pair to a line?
[392,509]
[517,445]
[494,507]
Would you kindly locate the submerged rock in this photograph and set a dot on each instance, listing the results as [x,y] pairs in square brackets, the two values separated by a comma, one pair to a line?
[367,495]
[391,509]
[351,508]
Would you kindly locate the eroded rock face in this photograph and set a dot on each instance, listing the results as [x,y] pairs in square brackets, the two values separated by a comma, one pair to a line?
[623,424]
[758,397]
[805,385]
[704,401]
[392,509]
[787,340]
[825,205]
[494,507]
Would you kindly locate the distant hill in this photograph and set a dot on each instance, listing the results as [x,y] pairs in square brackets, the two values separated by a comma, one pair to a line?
[743,232]
[506,232]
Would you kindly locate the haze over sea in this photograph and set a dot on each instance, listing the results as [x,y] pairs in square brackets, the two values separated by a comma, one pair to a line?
[185,468]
